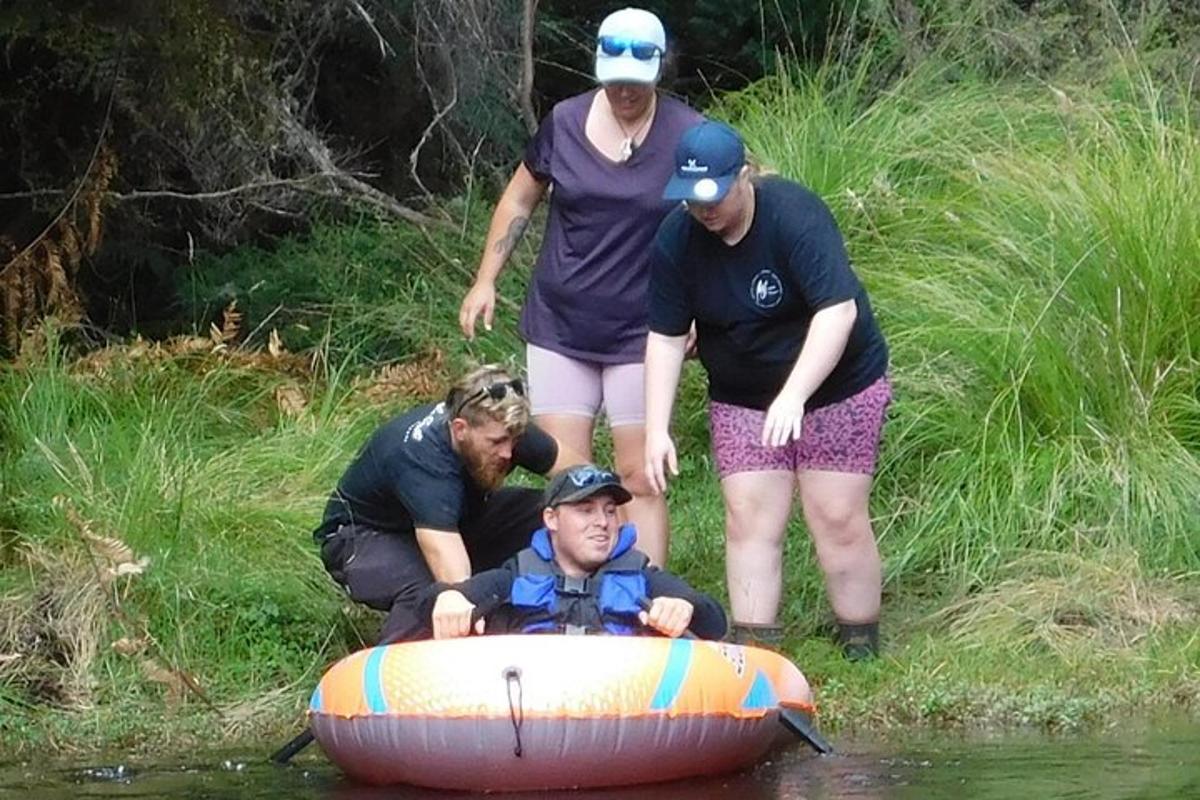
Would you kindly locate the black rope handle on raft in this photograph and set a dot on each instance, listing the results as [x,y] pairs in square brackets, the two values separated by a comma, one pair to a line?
[516,713]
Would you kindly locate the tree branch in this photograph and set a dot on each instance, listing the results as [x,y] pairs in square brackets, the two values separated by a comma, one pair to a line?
[160,194]
[338,179]
[415,155]
[434,40]
[528,19]
[62,212]
[385,49]
[309,144]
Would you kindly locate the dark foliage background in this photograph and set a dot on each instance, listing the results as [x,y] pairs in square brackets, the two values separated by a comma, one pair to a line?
[235,121]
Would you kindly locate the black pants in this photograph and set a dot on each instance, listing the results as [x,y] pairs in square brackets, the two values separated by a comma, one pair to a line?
[387,570]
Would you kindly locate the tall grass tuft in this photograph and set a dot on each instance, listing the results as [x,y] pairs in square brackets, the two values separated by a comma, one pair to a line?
[186,458]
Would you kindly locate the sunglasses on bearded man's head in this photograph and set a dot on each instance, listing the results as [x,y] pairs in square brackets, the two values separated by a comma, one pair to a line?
[494,391]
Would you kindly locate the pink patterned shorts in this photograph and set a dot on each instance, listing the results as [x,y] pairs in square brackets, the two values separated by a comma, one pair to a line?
[843,437]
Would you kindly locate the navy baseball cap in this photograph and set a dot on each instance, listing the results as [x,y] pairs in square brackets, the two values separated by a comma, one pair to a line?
[707,162]
[581,482]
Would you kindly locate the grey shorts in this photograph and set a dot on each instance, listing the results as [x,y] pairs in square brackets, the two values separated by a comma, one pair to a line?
[560,384]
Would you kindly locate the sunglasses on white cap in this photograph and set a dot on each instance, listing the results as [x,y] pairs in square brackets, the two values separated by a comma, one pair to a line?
[614,46]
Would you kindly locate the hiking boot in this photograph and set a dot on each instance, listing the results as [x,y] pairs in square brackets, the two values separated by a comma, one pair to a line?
[767,636]
[858,642]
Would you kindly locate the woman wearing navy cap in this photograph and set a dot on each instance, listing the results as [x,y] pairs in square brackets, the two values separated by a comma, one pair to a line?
[607,153]
[797,370]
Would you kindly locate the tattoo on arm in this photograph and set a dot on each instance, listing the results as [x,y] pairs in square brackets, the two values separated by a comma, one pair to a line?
[507,243]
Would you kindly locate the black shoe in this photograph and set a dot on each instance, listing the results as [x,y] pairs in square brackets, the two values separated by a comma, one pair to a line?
[766,636]
[859,642]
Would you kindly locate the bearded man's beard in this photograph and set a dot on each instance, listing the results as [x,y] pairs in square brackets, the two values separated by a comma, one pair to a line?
[488,473]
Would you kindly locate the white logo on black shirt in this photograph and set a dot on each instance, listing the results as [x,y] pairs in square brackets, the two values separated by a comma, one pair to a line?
[766,290]
[416,431]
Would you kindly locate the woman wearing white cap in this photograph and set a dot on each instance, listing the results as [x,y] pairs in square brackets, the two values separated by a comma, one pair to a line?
[608,153]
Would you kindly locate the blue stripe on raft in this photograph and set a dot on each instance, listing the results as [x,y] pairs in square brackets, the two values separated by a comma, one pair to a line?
[678,660]
[373,681]
[761,694]
[317,703]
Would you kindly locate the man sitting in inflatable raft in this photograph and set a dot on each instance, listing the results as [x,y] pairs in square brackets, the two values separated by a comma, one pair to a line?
[581,574]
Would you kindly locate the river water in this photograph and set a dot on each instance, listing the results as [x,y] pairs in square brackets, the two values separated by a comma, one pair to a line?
[1146,760]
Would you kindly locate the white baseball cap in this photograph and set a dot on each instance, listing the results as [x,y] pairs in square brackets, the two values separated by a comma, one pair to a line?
[629,47]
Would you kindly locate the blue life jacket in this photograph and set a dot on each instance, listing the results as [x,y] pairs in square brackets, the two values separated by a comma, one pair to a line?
[605,602]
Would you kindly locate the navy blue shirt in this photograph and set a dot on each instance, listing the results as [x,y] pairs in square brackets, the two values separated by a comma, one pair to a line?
[752,302]
[408,476]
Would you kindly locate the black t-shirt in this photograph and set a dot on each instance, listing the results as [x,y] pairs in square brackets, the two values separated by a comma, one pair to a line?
[752,302]
[408,476]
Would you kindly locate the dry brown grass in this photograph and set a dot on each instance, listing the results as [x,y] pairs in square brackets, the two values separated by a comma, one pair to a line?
[426,377]
[77,603]
[259,713]
[200,353]
[51,634]
[39,280]
[1060,601]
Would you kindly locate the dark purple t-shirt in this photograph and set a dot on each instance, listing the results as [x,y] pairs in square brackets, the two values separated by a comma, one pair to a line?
[587,298]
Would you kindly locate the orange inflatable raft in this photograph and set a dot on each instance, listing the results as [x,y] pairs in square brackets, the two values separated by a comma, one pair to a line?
[552,712]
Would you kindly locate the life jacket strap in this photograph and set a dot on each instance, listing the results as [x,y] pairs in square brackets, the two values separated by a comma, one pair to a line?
[575,587]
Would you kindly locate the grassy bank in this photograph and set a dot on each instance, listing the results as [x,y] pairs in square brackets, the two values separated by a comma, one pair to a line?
[1033,254]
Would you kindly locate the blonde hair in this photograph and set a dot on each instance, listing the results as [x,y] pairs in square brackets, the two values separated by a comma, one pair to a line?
[756,168]
[470,399]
